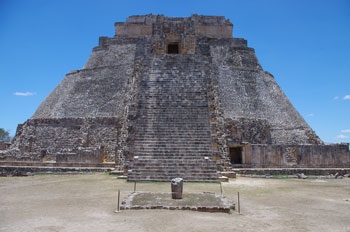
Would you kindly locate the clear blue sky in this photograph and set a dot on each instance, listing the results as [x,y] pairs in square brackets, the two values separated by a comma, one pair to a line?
[304,44]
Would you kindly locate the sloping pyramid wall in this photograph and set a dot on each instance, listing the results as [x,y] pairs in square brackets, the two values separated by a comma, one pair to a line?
[87,109]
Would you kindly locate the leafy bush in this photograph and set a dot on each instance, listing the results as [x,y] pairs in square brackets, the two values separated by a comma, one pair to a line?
[4,135]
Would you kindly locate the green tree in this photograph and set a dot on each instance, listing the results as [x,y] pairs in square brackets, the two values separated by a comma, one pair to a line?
[4,135]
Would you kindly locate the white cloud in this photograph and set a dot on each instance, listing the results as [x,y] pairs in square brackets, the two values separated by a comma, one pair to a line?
[346,97]
[342,137]
[336,98]
[345,131]
[310,115]
[24,94]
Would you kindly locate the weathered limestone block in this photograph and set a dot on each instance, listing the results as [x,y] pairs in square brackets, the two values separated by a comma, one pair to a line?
[335,155]
[68,134]
[123,30]
[176,188]
[82,155]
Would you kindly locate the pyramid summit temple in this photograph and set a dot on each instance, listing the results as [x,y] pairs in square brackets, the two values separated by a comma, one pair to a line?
[171,97]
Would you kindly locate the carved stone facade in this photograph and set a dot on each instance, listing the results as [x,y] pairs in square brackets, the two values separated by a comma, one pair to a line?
[172,96]
[183,32]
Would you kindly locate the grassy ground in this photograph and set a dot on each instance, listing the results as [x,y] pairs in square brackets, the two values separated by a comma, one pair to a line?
[87,203]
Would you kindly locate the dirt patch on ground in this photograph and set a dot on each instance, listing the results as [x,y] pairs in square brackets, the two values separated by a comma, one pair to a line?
[190,199]
[87,203]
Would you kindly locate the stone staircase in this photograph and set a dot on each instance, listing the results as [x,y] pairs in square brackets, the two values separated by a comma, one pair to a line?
[172,129]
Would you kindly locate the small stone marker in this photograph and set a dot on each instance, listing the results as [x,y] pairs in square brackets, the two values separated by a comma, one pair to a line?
[301,176]
[176,188]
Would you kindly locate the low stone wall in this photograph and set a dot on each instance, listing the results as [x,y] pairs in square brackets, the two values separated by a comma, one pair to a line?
[28,171]
[296,155]
[83,155]
[54,164]
[14,154]
[293,171]
[45,138]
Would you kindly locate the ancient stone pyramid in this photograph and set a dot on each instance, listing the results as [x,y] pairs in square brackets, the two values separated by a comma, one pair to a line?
[172,97]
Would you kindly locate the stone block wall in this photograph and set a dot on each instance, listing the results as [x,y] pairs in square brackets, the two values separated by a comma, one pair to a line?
[89,108]
[336,155]
[112,52]
[82,155]
[132,30]
[247,130]
[246,91]
[98,90]
[248,107]
[181,30]
[214,31]
[46,137]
